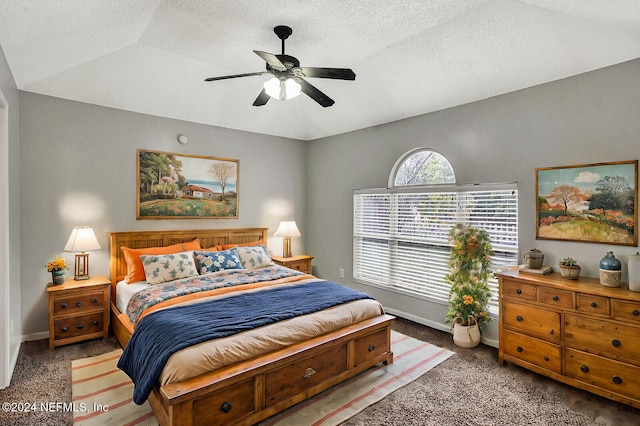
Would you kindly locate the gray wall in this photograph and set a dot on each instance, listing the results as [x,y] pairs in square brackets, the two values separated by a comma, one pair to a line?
[78,168]
[11,234]
[593,117]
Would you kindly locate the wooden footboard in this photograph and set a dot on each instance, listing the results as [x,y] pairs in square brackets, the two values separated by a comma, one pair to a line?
[254,390]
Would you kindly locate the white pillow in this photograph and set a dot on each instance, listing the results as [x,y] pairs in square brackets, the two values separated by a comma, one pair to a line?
[254,256]
[162,268]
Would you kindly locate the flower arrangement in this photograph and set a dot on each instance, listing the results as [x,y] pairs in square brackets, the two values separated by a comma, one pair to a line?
[469,261]
[57,264]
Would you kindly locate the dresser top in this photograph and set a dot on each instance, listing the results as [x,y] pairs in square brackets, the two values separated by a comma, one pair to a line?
[582,284]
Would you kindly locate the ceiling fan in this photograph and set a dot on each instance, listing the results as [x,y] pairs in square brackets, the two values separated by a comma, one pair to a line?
[288,81]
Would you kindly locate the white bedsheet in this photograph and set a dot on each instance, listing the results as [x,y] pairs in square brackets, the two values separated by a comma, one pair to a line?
[124,293]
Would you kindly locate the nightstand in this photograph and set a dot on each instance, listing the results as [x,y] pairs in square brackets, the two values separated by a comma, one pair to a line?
[300,263]
[78,310]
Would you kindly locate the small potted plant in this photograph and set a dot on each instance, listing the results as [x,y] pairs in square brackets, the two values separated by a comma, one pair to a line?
[470,262]
[57,267]
[569,268]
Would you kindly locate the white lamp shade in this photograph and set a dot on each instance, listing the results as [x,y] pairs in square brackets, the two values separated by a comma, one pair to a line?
[82,239]
[282,89]
[287,229]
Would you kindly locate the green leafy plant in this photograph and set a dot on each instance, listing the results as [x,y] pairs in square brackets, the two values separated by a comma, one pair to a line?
[568,261]
[469,264]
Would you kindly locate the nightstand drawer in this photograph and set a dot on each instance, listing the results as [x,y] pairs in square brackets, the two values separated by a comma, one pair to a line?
[78,325]
[301,265]
[77,303]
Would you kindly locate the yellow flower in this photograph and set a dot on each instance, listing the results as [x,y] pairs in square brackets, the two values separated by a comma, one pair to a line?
[467,299]
[56,264]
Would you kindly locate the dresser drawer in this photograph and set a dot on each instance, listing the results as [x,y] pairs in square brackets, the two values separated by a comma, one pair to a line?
[532,320]
[78,325]
[608,374]
[77,303]
[603,337]
[556,298]
[370,346]
[591,304]
[519,291]
[306,373]
[624,310]
[534,351]
[300,265]
[234,402]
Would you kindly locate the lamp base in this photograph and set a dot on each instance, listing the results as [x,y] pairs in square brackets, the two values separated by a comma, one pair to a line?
[286,247]
[81,277]
[82,267]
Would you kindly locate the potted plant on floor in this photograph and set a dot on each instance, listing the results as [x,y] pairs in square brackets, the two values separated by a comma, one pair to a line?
[569,268]
[469,264]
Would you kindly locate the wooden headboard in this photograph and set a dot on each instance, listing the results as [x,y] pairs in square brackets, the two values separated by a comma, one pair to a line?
[141,239]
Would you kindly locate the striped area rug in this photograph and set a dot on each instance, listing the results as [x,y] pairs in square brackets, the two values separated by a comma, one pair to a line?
[97,383]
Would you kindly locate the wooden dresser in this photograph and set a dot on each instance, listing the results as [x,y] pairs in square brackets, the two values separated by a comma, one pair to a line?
[574,331]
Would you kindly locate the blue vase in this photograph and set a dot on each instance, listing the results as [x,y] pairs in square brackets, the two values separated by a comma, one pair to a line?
[610,263]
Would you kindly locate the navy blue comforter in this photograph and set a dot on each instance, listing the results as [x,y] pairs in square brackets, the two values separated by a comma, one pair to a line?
[161,333]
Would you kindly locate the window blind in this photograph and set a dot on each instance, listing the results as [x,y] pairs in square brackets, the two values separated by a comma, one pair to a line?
[401,234]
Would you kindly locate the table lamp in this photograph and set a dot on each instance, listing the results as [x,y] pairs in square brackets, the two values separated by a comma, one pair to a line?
[287,229]
[82,239]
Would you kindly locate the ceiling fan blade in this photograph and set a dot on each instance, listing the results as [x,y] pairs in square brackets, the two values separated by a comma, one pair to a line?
[315,94]
[261,99]
[337,73]
[272,60]
[225,77]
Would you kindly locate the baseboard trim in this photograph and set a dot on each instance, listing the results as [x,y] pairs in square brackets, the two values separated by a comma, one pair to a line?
[434,324]
[35,336]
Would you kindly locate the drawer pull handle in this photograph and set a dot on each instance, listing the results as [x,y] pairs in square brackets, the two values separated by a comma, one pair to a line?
[79,304]
[616,379]
[519,349]
[65,329]
[518,291]
[309,372]
[94,300]
[80,326]
[636,312]
[95,323]
[519,318]
[594,304]
[546,358]
[615,343]
[584,369]
[63,306]
[555,298]
[371,348]
[225,407]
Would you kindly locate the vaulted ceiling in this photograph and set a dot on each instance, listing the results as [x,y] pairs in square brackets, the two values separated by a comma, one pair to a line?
[410,56]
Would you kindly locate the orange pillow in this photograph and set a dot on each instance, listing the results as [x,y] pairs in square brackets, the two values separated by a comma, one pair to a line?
[254,243]
[135,270]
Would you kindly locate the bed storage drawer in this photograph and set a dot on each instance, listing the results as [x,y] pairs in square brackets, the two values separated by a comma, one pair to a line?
[370,346]
[533,351]
[301,375]
[226,405]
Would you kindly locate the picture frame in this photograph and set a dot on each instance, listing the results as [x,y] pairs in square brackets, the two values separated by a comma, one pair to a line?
[181,186]
[592,203]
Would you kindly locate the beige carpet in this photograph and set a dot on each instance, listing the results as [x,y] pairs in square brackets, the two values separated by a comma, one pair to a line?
[102,393]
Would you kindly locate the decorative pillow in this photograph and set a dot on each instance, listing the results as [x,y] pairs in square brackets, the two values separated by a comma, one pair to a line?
[254,256]
[135,270]
[212,261]
[253,243]
[161,268]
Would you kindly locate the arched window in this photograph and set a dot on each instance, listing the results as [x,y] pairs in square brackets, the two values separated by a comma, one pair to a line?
[421,166]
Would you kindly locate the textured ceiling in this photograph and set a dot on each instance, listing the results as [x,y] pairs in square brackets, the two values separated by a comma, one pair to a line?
[410,56]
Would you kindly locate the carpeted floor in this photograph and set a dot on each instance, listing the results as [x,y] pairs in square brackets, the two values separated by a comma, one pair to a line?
[469,388]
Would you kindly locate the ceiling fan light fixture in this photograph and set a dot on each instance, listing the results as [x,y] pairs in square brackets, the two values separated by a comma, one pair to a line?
[282,89]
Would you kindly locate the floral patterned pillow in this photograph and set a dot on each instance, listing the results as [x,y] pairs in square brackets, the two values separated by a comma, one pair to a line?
[254,256]
[161,268]
[212,261]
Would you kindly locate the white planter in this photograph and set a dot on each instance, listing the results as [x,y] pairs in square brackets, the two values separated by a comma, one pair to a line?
[466,336]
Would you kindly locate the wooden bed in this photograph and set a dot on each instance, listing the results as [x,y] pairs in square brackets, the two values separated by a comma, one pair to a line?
[253,390]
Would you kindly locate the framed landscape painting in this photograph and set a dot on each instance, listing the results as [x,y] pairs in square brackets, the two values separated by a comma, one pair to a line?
[594,203]
[178,186]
